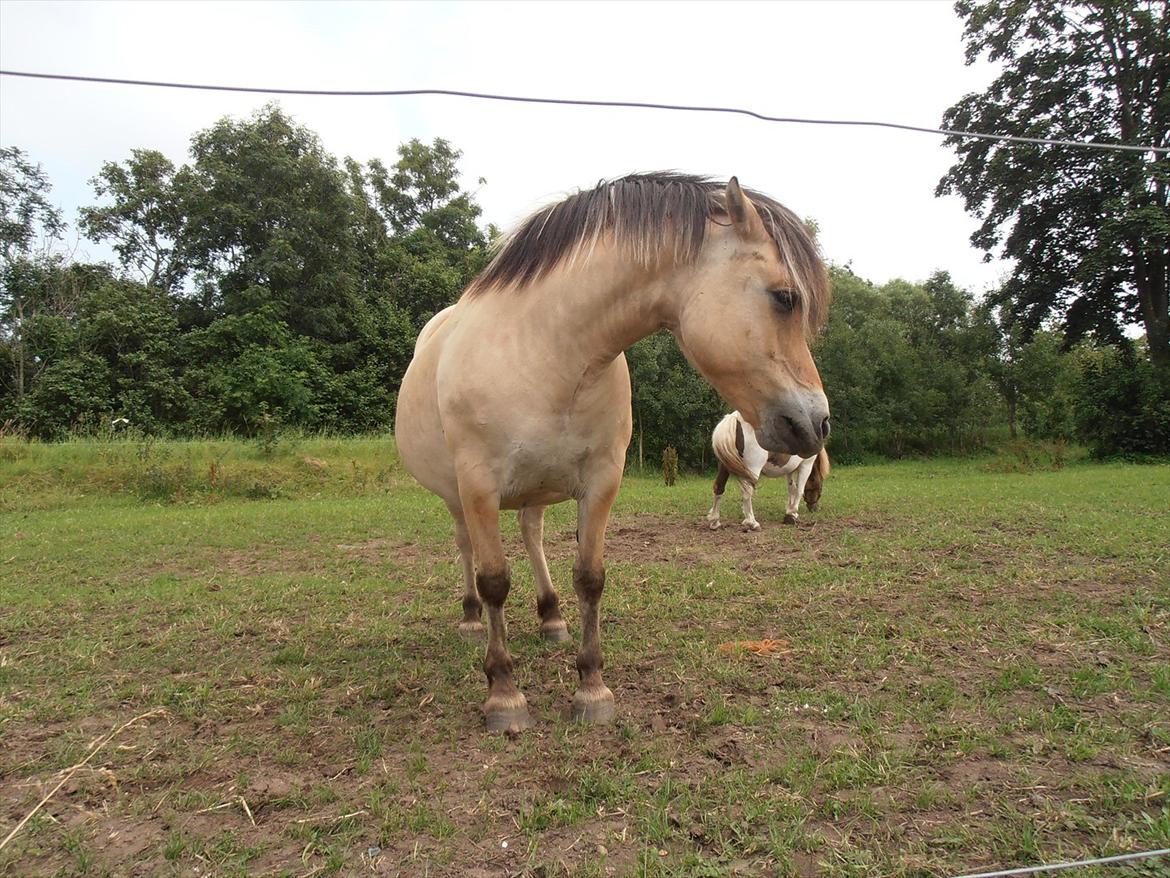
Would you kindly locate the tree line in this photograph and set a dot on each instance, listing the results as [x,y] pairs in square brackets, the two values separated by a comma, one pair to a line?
[262,280]
[265,284]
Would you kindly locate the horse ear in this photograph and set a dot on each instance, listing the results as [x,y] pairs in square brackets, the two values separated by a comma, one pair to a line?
[744,216]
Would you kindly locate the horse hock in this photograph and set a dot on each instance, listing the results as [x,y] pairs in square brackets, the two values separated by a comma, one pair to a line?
[471,628]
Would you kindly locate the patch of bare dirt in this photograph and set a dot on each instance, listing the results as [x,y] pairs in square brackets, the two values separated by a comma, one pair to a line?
[966,773]
[379,550]
[641,539]
[265,560]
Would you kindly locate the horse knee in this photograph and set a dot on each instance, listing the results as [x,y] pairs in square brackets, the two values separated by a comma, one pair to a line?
[493,588]
[589,584]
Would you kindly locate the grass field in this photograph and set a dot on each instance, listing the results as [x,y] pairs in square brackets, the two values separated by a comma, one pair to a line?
[975,671]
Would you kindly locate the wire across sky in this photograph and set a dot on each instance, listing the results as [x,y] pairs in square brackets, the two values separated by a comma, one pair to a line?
[574,102]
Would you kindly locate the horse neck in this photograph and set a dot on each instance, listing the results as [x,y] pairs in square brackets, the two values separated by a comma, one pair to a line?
[596,309]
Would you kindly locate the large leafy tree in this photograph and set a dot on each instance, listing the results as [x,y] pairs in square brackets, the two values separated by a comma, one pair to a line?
[904,366]
[435,244]
[24,206]
[268,219]
[145,217]
[672,405]
[95,346]
[132,330]
[25,215]
[1088,229]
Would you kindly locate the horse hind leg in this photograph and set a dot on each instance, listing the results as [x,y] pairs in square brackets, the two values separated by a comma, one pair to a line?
[717,496]
[471,627]
[548,604]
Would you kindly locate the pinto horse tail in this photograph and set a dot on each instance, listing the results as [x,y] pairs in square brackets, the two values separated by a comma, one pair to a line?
[823,463]
[727,442]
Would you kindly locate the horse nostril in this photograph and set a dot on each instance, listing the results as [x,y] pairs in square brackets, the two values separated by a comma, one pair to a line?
[825,429]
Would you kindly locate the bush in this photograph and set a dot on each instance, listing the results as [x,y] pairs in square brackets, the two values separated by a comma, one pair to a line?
[669,465]
[1122,405]
[67,394]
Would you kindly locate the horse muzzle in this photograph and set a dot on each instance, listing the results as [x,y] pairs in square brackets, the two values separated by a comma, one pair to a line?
[797,423]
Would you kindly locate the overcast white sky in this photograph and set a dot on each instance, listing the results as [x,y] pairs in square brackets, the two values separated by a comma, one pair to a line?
[870,190]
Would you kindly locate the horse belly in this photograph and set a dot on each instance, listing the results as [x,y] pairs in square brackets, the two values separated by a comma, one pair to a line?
[781,465]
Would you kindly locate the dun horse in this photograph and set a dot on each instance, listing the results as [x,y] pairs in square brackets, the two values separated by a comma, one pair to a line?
[518,395]
[739,454]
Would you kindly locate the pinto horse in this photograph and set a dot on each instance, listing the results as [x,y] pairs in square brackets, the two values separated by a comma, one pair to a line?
[734,443]
[518,395]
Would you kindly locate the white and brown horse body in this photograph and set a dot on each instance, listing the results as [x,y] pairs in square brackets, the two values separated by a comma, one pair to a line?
[739,453]
[518,395]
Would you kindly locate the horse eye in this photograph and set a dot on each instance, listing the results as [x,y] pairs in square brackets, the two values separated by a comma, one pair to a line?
[785,300]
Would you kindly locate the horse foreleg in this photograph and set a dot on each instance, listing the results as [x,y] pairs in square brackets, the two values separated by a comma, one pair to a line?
[592,702]
[505,709]
[791,514]
[749,515]
[548,604]
[796,483]
[471,626]
[720,486]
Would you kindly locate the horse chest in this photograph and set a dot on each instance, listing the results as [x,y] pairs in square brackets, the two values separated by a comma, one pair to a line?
[540,468]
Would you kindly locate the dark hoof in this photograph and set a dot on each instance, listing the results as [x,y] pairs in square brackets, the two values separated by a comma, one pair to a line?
[790,519]
[555,632]
[507,715]
[472,630]
[593,707]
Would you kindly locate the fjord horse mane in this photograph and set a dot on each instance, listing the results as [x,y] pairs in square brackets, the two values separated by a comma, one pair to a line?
[652,217]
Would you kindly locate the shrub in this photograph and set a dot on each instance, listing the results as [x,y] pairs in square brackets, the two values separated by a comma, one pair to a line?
[669,464]
[1122,405]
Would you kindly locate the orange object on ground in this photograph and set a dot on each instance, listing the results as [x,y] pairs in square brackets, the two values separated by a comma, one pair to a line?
[762,648]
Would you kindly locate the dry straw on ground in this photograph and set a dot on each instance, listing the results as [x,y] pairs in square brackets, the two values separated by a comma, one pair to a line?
[73,769]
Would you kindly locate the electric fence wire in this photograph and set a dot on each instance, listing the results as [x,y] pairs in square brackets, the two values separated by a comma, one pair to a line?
[1032,870]
[572,102]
